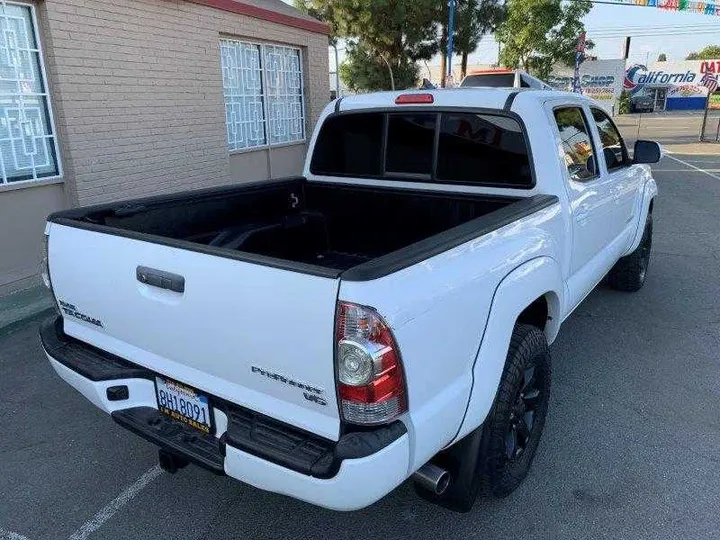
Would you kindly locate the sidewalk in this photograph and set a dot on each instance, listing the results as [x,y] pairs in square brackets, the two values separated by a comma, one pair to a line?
[22,305]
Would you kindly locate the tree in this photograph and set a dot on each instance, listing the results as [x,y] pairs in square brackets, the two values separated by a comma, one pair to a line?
[473,19]
[382,36]
[538,33]
[710,52]
[363,70]
[322,13]
[662,57]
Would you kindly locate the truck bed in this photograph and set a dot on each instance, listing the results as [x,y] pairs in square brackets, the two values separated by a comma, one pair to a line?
[321,228]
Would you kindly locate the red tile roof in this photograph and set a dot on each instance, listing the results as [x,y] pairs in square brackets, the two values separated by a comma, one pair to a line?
[275,11]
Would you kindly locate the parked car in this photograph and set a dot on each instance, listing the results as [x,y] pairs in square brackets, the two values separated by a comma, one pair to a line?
[385,316]
[641,102]
[503,78]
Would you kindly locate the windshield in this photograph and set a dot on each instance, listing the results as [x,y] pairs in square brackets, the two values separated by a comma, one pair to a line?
[492,80]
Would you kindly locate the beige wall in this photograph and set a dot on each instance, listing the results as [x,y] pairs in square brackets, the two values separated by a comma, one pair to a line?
[23,212]
[138,95]
[274,162]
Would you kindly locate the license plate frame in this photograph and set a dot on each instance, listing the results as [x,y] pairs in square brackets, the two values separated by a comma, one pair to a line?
[191,396]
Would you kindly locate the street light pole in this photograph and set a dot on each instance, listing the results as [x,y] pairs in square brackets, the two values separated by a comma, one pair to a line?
[451,31]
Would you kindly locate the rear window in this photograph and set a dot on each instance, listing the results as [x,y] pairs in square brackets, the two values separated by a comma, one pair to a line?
[410,143]
[349,145]
[447,147]
[483,149]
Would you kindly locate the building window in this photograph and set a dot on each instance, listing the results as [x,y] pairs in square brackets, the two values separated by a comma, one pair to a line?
[263,89]
[28,146]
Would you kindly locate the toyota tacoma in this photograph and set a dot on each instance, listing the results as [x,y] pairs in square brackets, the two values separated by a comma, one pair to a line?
[385,316]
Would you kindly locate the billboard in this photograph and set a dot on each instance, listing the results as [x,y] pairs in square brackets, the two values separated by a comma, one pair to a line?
[688,82]
[601,80]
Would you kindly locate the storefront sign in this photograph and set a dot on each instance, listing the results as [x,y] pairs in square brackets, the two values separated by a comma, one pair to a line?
[599,79]
[687,82]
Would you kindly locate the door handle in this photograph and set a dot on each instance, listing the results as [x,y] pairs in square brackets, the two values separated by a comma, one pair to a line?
[582,212]
[160,279]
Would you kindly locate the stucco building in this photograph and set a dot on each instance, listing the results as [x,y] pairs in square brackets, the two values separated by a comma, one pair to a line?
[112,99]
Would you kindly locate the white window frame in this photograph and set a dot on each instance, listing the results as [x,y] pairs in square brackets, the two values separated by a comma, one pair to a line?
[264,96]
[30,182]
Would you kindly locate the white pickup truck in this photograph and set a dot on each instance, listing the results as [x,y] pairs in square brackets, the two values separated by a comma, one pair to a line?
[387,315]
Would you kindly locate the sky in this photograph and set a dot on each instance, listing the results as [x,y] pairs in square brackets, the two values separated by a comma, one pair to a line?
[653,31]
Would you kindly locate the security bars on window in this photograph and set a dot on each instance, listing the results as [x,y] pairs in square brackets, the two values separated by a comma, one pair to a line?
[263,88]
[28,147]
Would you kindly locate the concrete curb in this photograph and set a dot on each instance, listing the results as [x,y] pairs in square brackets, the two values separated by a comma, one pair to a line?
[19,307]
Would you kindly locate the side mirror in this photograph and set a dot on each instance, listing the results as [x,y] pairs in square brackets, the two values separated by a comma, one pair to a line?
[590,165]
[647,152]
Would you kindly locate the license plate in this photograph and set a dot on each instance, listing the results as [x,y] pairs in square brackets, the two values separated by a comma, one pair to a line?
[183,403]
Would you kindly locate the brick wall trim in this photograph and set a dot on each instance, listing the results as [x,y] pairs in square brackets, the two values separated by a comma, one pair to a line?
[265,14]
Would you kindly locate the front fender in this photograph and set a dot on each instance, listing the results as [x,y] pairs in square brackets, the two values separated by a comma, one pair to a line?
[538,277]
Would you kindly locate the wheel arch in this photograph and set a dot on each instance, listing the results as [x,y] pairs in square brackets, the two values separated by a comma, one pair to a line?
[531,291]
[646,208]
[543,313]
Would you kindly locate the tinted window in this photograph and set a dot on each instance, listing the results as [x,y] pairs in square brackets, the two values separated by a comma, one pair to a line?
[576,143]
[410,143]
[616,155]
[499,80]
[483,149]
[349,144]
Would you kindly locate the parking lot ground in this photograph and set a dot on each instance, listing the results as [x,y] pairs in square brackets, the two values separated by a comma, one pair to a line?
[630,449]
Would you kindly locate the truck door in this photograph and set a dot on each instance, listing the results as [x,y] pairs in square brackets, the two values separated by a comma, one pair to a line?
[590,193]
[625,178]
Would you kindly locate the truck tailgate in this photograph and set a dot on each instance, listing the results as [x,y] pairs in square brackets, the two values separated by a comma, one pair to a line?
[257,336]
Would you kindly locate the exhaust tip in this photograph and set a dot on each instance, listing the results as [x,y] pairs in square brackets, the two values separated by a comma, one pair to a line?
[432,478]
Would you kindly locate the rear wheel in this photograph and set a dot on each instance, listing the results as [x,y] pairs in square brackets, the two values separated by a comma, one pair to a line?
[630,272]
[495,458]
[512,430]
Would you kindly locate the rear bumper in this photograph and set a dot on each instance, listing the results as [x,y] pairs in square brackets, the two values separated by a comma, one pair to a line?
[347,474]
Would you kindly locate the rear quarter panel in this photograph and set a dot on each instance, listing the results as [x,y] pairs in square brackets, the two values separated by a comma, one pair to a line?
[438,310]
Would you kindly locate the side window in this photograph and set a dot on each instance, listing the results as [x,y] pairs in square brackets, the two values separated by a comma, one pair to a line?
[576,143]
[614,150]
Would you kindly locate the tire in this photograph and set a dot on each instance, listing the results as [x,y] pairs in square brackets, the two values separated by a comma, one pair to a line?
[506,459]
[630,272]
[480,463]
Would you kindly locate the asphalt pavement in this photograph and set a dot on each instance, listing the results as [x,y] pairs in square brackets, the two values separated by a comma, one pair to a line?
[630,448]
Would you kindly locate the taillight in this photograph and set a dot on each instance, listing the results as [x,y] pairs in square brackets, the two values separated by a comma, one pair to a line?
[370,374]
[44,268]
[45,272]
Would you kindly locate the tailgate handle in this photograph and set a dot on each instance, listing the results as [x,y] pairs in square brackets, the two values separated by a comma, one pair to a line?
[160,278]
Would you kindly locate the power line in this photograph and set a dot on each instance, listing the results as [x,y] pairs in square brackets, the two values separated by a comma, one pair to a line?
[654,27]
[593,35]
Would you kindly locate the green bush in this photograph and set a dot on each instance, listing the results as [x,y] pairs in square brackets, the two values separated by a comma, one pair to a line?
[624,102]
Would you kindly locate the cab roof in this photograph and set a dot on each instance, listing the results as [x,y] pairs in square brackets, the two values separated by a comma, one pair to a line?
[486,98]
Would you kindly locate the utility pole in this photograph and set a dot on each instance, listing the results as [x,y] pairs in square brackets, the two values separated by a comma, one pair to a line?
[626,48]
[451,31]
